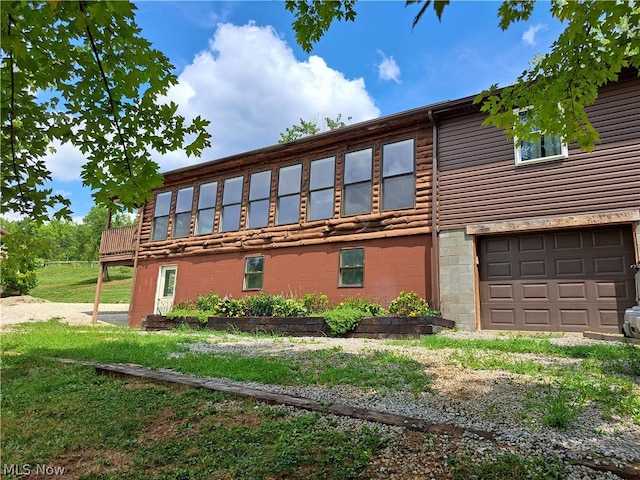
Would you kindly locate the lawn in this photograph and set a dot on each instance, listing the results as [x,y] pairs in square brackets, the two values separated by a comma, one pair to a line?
[99,427]
[77,284]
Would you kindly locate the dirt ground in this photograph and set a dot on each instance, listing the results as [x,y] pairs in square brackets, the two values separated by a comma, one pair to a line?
[21,309]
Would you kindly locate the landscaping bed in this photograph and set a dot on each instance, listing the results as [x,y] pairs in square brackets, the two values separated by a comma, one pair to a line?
[368,327]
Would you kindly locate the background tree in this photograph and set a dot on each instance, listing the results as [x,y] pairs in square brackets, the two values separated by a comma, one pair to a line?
[19,259]
[599,40]
[79,72]
[311,127]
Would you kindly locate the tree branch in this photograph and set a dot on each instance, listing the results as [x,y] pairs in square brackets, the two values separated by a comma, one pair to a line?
[105,80]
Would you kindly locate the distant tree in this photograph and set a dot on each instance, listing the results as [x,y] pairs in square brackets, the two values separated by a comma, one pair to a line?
[307,128]
[599,39]
[20,256]
[79,72]
[89,232]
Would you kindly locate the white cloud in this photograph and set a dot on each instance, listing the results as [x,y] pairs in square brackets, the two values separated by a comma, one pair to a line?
[64,193]
[529,37]
[251,86]
[66,163]
[388,68]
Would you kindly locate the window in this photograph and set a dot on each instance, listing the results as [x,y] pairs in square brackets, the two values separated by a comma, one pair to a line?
[357,182]
[166,289]
[161,216]
[544,148]
[289,183]
[206,208]
[321,188]
[398,178]
[351,267]
[253,270]
[182,217]
[231,204]
[259,199]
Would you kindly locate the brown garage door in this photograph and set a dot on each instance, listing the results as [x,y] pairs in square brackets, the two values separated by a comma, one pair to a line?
[570,280]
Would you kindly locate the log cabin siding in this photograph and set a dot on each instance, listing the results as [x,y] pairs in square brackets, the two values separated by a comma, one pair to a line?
[377,224]
[479,182]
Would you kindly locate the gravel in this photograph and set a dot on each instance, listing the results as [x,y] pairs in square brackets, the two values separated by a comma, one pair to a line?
[494,401]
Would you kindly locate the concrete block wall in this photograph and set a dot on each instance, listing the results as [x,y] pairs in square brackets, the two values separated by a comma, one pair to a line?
[457,278]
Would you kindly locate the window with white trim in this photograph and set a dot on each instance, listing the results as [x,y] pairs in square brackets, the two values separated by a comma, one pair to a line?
[398,175]
[544,148]
[259,199]
[351,267]
[206,208]
[322,175]
[231,204]
[289,185]
[357,183]
[253,273]
[161,216]
[182,216]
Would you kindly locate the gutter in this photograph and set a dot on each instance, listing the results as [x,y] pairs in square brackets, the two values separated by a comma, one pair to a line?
[435,244]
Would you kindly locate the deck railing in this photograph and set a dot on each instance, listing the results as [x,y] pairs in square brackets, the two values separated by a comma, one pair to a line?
[118,242]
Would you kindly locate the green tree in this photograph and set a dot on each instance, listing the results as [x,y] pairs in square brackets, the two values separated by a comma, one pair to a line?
[599,40]
[79,72]
[20,255]
[307,128]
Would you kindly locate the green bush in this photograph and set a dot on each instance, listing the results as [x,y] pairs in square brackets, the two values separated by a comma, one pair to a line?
[370,308]
[260,305]
[208,302]
[343,319]
[410,304]
[315,302]
[288,307]
[19,259]
[230,307]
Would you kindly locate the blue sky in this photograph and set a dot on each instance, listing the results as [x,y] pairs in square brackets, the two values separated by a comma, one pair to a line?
[239,66]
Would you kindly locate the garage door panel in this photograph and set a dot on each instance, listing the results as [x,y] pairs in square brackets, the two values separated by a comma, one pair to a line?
[537,318]
[570,318]
[572,291]
[570,280]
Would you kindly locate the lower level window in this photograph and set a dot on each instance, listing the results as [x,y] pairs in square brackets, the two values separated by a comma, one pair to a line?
[253,271]
[351,267]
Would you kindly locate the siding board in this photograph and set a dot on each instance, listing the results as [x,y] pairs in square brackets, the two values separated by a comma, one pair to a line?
[486,186]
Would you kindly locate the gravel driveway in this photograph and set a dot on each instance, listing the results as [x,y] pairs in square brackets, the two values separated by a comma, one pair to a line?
[23,309]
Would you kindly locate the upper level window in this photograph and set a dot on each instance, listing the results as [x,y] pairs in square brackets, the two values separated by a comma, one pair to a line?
[206,208]
[398,175]
[231,204]
[253,273]
[544,148]
[259,199]
[321,188]
[356,195]
[182,217]
[289,184]
[351,267]
[161,216]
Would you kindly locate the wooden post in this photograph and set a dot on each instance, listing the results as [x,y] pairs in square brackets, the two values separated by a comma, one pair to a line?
[96,303]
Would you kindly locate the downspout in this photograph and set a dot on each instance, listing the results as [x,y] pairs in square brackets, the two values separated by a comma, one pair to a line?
[435,244]
[135,261]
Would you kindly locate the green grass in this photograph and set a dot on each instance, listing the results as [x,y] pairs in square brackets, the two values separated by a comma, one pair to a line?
[66,416]
[77,284]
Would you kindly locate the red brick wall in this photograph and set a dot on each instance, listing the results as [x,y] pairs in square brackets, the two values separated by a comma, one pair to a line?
[391,265]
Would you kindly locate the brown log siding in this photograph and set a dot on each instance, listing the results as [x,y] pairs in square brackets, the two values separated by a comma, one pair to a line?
[378,224]
[479,182]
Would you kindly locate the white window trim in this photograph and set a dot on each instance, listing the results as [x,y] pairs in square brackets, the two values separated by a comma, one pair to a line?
[517,151]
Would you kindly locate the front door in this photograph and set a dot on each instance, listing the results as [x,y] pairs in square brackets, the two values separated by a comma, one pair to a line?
[166,289]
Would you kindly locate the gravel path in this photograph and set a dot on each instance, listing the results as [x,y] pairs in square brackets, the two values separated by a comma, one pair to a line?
[495,401]
[14,310]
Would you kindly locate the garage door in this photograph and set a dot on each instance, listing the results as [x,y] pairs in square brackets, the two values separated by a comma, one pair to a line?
[570,280]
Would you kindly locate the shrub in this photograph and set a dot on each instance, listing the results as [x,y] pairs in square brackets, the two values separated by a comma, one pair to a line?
[343,319]
[208,302]
[288,307]
[19,258]
[410,304]
[369,307]
[315,302]
[260,305]
[230,307]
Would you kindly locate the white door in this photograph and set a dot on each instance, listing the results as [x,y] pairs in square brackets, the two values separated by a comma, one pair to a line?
[166,289]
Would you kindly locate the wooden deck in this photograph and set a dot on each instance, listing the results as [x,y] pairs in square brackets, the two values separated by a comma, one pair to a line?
[117,246]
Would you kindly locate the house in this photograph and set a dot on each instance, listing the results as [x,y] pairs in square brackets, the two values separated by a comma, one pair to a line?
[496,237]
